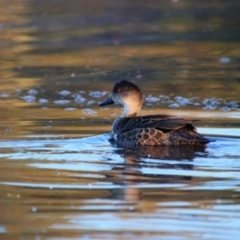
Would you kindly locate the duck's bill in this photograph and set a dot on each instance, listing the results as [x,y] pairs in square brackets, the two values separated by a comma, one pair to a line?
[106,102]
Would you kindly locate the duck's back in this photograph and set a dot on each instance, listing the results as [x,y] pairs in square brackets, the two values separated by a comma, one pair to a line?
[156,130]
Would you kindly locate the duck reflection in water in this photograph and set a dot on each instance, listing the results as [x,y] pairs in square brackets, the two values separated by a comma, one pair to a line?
[164,164]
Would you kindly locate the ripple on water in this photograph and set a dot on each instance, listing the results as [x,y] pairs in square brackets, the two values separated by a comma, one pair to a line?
[197,223]
[112,190]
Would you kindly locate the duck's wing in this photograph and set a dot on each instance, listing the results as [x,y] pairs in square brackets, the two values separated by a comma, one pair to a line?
[164,123]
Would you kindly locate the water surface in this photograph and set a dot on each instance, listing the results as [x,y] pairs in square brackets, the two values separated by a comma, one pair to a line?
[60,176]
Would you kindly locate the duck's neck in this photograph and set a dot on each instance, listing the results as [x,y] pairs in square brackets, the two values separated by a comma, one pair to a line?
[130,111]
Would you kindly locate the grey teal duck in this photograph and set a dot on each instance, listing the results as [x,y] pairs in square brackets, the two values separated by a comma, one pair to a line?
[129,130]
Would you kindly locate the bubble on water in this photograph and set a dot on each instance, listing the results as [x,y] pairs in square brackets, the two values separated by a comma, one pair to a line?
[116,42]
[2,229]
[152,99]
[75,95]
[97,94]
[61,102]
[79,99]
[64,92]
[232,104]
[34,209]
[89,111]
[4,95]
[148,104]
[43,100]
[32,92]
[174,105]
[38,237]
[73,75]
[196,104]
[211,103]
[183,101]
[225,108]
[8,129]
[164,98]
[82,91]
[184,71]
[131,208]
[209,107]
[70,109]
[138,76]
[224,60]
[90,102]
[18,91]
[29,98]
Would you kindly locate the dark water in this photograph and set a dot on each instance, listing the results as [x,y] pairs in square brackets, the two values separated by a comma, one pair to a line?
[60,178]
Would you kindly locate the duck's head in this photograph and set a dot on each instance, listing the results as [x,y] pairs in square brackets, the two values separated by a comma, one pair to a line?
[127,94]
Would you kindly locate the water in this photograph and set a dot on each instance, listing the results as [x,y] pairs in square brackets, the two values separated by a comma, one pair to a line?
[60,177]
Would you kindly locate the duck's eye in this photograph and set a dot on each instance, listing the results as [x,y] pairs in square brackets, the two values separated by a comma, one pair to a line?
[117,90]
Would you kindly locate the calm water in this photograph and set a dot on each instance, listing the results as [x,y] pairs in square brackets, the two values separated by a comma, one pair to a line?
[60,178]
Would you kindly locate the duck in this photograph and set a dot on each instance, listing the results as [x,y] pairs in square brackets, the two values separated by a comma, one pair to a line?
[129,130]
